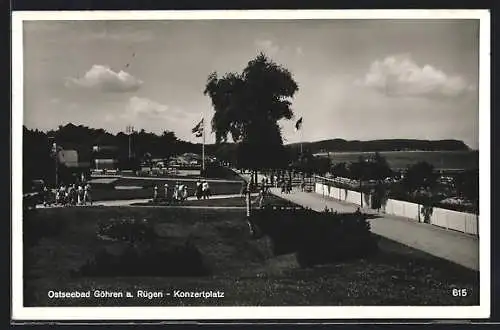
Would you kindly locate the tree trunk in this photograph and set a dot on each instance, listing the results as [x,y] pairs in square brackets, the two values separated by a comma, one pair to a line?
[361,192]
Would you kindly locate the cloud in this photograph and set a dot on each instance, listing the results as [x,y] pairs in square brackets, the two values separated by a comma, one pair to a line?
[399,75]
[267,46]
[157,117]
[143,107]
[299,51]
[101,77]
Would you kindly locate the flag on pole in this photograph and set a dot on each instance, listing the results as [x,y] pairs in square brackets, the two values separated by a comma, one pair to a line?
[298,124]
[198,129]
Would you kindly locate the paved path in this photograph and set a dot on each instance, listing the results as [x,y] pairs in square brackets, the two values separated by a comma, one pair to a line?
[200,207]
[457,247]
[129,202]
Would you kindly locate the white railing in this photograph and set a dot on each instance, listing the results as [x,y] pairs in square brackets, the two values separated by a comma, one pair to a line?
[449,219]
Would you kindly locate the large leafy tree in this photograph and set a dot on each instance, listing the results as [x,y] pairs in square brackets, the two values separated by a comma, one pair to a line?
[381,169]
[375,168]
[467,186]
[248,106]
[308,164]
[420,177]
[340,170]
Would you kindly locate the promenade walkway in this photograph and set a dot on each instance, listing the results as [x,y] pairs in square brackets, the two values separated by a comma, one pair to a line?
[457,247]
[159,178]
[129,202]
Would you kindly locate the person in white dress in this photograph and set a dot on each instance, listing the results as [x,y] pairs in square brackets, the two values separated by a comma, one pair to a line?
[155,193]
[184,192]
[176,192]
[62,194]
[206,190]
[80,194]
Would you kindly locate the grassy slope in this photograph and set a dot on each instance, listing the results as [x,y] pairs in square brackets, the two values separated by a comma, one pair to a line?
[62,240]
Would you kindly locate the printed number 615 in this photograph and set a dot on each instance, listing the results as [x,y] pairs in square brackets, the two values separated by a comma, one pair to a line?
[459,292]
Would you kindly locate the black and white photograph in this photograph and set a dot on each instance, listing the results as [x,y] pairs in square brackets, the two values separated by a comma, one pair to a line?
[291,164]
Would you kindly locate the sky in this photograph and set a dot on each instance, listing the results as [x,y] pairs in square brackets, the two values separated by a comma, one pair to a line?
[358,79]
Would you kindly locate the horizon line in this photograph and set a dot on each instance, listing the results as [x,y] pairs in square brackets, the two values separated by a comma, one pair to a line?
[45,131]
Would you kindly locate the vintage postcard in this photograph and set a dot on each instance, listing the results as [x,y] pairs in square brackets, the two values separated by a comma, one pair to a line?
[271,164]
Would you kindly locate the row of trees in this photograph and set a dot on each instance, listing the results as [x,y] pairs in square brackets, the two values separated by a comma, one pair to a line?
[419,180]
[82,138]
[38,162]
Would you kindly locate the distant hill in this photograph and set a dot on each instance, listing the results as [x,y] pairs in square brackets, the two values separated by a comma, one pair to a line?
[338,145]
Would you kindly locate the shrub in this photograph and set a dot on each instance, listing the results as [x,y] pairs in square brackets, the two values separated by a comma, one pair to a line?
[146,260]
[315,237]
[137,250]
[36,226]
[129,230]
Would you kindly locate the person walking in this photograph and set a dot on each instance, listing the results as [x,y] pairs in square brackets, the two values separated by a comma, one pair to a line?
[87,198]
[58,196]
[205,190]
[67,195]
[45,195]
[155,193]
[165,188]
[80,194]
[62,194]
[244,188]
[72,195]
[263,185]
[199,190]
[69,192]
[262,193]
[184,192]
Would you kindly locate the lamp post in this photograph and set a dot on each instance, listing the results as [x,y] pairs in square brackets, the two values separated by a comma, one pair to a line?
[54,154]
[129,130]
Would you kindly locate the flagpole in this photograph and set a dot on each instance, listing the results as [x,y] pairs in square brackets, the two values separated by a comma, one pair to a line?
[203,146]
[300,141]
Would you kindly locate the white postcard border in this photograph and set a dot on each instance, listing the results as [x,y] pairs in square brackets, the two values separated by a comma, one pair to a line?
[20,313]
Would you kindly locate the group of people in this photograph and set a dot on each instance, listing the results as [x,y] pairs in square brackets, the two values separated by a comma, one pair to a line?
[266,184]
[264,190]
[202,190]
[75,194]
[286,186]
[178,193]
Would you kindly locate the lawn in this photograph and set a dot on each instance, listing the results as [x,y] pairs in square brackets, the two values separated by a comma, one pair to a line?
[59,241]
[144,188]
[230,202]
